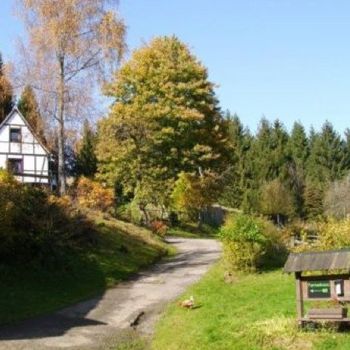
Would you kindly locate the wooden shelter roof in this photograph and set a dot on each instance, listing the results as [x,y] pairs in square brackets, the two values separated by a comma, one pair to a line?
[318,261]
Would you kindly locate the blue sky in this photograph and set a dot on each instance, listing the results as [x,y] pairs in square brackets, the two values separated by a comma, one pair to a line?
[286,59]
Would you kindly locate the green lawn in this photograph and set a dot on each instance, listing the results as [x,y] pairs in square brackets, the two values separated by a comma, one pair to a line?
[254,312]
[122,249]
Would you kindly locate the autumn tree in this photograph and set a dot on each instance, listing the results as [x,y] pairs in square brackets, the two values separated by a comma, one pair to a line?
[73,44]
[164,120]
[86,161]
[337,199]
[192,195]
[276,201]
[29,107]
[6,99]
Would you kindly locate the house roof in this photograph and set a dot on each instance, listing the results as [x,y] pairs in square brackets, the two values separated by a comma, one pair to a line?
[16,110]
[318,261]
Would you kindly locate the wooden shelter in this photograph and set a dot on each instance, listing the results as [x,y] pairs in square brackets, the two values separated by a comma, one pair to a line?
[321,276]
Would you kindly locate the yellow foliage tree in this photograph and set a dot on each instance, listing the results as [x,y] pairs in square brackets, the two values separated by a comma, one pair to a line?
[72,45]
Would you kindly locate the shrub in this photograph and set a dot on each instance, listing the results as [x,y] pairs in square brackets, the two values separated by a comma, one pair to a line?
[34,225]
[159,228]
[244,243]
[250,243]
[329,235]
[334,235]
[92,195]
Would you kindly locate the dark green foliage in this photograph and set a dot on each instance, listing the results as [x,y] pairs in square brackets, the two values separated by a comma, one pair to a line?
[86,161]
[304,165]
[270,151]
[6,92]
[238,175]
[313,198]
[298,148]
[29,107]
[327,161]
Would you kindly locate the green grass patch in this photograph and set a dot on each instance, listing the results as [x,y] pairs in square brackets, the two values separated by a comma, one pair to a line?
[193,231]
[121,250]
[253,312]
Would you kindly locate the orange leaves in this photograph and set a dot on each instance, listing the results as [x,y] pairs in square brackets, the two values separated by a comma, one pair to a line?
[91,194]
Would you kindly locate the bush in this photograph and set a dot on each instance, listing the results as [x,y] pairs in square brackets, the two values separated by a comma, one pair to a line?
[334,235]
[329,235]
[250,243]
[92,195]
[159,228]
[34,225]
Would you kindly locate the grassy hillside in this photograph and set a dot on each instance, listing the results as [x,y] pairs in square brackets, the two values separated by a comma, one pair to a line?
[254,312]
[120,250]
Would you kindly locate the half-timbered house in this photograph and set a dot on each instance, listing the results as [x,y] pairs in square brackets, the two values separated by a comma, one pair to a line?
[22,152]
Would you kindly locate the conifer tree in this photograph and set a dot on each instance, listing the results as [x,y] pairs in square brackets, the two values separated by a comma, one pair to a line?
[347,148]
[327,161]
[86,161]
[29,107]
[238,175]
[270,151]
[298,148]
[299,145]
[6,98]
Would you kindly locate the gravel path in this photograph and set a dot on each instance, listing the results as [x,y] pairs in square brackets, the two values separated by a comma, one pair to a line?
[97,323]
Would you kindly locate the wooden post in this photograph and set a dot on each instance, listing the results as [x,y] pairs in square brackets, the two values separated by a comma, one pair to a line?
[299,298]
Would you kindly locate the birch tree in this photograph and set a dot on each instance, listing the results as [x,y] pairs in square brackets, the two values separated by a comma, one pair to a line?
[72,46]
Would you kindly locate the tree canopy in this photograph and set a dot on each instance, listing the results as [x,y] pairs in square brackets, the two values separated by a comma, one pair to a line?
[165,120]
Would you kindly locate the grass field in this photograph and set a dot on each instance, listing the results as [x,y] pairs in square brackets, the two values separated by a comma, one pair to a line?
[121,250]
[254,312]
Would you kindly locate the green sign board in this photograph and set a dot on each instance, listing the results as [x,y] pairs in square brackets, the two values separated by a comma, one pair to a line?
[319,289]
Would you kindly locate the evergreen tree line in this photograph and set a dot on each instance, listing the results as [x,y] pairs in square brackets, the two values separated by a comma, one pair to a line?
[283,174]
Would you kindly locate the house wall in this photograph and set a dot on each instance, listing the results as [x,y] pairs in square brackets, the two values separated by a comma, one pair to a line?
[34,156]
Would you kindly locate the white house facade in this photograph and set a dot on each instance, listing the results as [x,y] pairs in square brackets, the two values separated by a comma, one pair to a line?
[22,152]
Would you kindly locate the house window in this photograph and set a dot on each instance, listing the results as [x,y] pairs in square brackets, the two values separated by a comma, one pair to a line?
[15,166]
[15,135]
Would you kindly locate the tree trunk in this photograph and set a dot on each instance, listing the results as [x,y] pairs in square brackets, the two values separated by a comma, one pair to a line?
[61,133]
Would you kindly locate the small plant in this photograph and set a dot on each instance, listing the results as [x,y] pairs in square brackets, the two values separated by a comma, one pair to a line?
[159,228]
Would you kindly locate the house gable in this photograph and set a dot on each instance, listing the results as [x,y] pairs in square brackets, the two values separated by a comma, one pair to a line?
[20,146]
[16,119]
